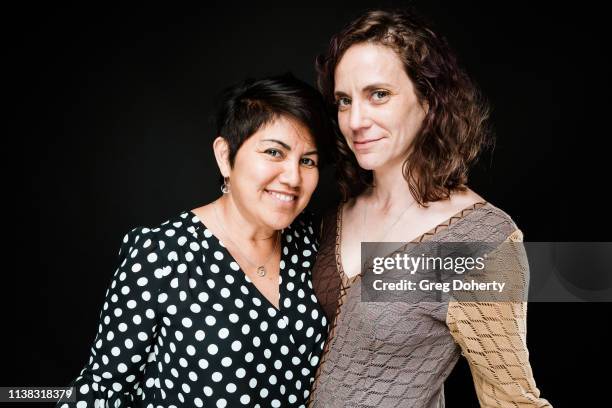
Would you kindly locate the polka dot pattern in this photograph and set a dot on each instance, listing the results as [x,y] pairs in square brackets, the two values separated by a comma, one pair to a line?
[182,325]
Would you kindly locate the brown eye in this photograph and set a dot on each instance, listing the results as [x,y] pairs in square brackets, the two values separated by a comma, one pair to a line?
[343,102]
[273,153]
[307,161]
[380,95]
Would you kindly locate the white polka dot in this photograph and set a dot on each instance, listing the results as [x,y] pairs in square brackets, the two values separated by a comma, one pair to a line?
[240,373]
[210,320]
[199,335]
[216,376]
[221,403]
[212,349]
[223,333]
[245,399]
[186,322]
[218,255]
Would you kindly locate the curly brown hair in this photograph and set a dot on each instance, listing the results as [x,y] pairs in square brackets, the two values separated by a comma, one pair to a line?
[454,131]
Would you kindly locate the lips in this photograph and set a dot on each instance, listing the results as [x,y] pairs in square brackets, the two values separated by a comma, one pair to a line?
[364,144]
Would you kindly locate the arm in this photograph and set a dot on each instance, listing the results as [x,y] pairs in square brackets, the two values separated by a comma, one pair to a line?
[127,327]
[492,336]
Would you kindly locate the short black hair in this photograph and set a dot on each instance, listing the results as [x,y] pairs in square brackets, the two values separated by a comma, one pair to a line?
[246,107]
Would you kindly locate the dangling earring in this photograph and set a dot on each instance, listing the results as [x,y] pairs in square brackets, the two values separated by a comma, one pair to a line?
[225,187]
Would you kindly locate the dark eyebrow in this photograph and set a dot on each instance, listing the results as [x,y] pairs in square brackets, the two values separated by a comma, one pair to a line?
[286,146]
[369,88]
[376,86]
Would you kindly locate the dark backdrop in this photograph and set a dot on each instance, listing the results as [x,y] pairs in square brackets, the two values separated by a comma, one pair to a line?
[110,130]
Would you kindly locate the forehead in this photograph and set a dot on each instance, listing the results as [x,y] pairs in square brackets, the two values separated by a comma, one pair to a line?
[365,63]
[287,130]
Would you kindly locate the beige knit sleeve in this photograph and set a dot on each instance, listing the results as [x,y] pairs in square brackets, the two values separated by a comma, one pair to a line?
[492,337]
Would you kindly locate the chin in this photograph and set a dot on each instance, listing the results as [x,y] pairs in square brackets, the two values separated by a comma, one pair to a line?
[368,163]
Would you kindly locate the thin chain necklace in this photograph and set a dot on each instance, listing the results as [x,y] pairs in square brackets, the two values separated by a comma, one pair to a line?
[387,230]
[259,269]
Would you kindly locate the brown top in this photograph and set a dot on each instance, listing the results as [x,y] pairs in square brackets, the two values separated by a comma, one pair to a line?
[394,354]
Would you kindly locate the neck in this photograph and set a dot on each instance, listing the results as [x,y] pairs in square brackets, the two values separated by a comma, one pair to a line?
[239,226]
[390,189]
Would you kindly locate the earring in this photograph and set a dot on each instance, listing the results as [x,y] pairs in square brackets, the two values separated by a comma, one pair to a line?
[225,187]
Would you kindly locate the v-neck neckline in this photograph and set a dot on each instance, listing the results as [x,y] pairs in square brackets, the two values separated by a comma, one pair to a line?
[245,277]
[421,238]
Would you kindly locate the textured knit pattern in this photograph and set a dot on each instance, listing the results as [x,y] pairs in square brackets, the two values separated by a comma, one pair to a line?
[394,354]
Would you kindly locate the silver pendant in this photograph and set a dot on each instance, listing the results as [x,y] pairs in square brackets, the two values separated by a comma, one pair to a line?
[261,271]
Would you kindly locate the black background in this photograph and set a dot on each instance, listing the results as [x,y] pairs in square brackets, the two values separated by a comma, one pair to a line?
[110,130]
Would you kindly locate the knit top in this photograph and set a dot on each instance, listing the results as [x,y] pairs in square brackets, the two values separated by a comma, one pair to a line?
[398,354]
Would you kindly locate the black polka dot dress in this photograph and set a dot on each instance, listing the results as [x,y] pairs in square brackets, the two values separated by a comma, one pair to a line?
[183,326]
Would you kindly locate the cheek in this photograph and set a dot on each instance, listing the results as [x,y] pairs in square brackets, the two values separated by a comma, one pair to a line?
[309,181]
[262,172]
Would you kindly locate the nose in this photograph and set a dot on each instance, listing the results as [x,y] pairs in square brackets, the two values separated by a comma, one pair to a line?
[358,117]
[291,174]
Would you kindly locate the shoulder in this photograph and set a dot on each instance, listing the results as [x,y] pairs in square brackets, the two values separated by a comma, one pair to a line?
[166,234]
[495,222]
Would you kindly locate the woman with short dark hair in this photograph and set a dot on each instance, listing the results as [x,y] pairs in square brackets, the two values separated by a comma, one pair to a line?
[215,307]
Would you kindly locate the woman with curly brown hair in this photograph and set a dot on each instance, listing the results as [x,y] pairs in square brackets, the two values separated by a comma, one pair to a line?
[411,124]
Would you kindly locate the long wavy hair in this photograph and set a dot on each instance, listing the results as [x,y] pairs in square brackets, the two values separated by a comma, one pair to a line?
[454,131]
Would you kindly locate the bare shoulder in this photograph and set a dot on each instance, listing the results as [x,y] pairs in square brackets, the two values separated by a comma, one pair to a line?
[458,201]
[463,199]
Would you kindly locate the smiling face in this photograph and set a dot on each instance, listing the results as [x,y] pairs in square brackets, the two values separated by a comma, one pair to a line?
[378,111]
[274,174]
